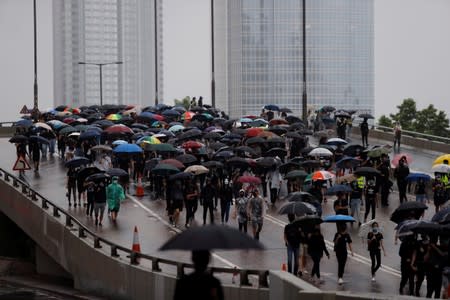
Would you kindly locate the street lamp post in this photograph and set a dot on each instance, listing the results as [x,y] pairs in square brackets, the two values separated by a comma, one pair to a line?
[35,101]
[304,95]
[100,66]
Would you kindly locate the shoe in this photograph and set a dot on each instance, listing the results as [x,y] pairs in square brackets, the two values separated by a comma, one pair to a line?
[96,222]
[70,204]
[75,204]
[100,224]
[186,225]
[373,279]
[340,281]
[299,274]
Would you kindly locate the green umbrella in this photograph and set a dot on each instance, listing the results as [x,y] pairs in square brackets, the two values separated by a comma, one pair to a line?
[296,174]
[164,169]
[377,152]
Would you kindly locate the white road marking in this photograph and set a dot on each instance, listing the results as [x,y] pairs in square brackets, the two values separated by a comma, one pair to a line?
[177,230]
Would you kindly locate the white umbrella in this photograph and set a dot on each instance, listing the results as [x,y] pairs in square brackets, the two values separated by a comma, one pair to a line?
[367,227]
[336,141]
[197,169]
[441,168]
[320,152]
[43,125]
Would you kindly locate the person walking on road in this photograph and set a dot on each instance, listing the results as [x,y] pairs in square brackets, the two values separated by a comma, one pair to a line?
[355,202]
[176,202]
[375,245]
[241,211]
[99,202]
[316,249]
[274,179]
[418,262]
[371,198]
[90,194]
[226,199]
[407,272]
[341,240]
[191,201]
[208,194]
[114,195]
[400,173]
[420,191]
[397,135]
[364,127]
[71,185]
[256,212]
[292,236]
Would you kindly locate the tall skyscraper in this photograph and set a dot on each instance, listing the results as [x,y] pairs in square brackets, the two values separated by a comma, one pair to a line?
[263,61]
[107,31]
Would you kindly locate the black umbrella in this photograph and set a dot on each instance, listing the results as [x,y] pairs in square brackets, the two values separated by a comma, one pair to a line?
[244,149]
[190,134]
[18,139]
[297,208]
[277,129]
[308,220]
[217,145]
[211,237]
[339,188]
[237,162]
[77,162]
[427,227]
[212,164]
[117,172]
[82,174]
[255,140]
[296,174]
[266,162]
[285,110]
[300,196]
[353,150]
[404,228]
[328,108]
[212,136]
[39,139]
[181,176]
[310,164]
[293,135]
[408,210]
[186,158]
[276,151]
[162,169]
[289,166]
[366,171]
[366,116]
[97,177]
[442,216]
[293,119]
[90,134]
[224,154]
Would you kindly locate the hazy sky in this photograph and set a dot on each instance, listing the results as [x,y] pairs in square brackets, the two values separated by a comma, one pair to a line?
[412,53]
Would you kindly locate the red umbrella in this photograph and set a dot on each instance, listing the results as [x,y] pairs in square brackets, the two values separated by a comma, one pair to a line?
[192,145]
[176,163]
[250,117]
[157,117]
[397,158]
[69,120]
[322,175]
[254,131]
[278,122]
[249,179]
[119,128]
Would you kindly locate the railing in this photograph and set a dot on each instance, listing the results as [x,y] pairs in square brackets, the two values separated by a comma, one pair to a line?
[413,134]
[134,257]
[7,124]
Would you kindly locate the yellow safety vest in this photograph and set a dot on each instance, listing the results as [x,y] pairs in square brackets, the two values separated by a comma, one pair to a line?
[361,182]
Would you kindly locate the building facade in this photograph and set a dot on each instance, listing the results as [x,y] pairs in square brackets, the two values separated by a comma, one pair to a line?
[263,61]
[110,32]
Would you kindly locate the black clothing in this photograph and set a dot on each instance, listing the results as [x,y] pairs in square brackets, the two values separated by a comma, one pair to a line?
[340,242]
[341,202]
[198,286]
[374,247]
[293,235]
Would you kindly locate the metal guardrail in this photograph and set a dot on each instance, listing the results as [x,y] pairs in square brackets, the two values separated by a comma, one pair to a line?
[409,133]
[3,124]
[135,257]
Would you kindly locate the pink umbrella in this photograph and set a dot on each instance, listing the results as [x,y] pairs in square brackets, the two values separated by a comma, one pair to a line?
[397,158]
[249,179]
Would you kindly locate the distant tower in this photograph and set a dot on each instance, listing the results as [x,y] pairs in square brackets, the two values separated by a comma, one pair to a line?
[258,54]
[103,31]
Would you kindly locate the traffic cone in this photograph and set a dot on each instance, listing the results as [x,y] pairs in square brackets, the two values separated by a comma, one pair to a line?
[136,245]
[139,188]
[283,267]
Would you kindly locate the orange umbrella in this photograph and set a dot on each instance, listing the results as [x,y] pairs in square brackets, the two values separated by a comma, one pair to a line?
[254,131]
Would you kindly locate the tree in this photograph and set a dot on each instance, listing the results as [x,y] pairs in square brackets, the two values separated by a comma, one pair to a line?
[185,102]
[406,115]
[385,121]
[431,121]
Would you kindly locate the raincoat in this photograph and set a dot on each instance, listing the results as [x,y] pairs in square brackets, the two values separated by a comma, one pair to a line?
[114,195]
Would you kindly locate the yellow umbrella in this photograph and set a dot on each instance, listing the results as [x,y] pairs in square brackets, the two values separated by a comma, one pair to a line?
[440,159]
[150,140]
[113,117]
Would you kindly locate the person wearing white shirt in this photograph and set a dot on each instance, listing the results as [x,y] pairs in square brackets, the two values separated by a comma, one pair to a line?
[274,179]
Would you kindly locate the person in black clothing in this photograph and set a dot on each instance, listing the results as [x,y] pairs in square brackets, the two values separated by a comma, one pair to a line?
[371,198]
[72,185]
[385,182]
[35,152]
[341,240]
[90,193]
[407,273]
[434,263]
[364,132]
[418,263]
[375,245]
[226,199]
[400,173]
[191,201]
[99,202]
[341,204]
[316,248]
[200,284]
[176,202]
[207,200]
[292,236]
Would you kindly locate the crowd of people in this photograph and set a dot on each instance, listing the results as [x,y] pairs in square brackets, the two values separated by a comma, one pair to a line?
[240,167]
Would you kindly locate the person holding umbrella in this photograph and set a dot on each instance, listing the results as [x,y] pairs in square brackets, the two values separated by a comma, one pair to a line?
[114,195]
[207,200]
[191,200]
[375,245]
[226,199]
[341,240]
[176,202]
[407,273]
[316,248]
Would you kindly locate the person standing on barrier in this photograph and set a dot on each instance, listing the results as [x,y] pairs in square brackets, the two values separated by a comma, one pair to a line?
[200,284]
[341,240]
[397,135]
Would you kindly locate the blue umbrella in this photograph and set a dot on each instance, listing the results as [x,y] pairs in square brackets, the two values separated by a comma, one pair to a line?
[338,218]
[338,188]
[417,176]
[23,123]
[245,120]
[271,107]
[128,148]
[441,215]
[171,113]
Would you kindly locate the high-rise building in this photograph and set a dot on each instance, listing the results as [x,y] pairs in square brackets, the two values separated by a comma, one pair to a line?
[263,60]
[122,34]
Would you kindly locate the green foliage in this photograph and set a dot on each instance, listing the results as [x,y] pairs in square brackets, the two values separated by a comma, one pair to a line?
[385,121]
[407,112]
[185,102]
[428,120]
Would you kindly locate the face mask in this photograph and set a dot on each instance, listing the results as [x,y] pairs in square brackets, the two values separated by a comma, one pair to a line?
[375,230]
